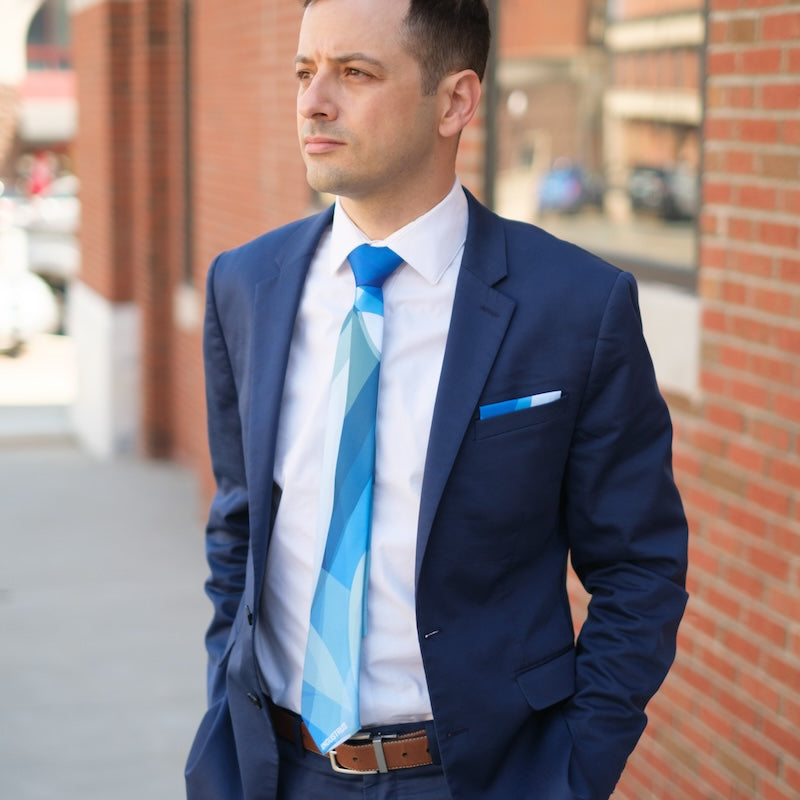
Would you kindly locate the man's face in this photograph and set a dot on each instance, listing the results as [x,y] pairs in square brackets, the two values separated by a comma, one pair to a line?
[366,130]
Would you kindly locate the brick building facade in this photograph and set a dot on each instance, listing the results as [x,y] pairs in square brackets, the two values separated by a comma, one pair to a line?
[727,722]
[166,83]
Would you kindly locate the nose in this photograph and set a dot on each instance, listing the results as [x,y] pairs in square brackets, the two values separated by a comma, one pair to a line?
[315,100]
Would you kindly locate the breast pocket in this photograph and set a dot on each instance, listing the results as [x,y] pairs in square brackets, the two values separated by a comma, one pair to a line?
[523,418]
[503,493]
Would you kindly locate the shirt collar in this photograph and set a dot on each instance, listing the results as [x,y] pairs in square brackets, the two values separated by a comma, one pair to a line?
[429,244]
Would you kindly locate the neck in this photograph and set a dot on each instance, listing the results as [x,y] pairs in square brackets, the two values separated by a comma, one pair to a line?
[380,218]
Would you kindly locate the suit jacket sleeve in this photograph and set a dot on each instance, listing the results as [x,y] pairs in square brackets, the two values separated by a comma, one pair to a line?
[628,541]
[228,530]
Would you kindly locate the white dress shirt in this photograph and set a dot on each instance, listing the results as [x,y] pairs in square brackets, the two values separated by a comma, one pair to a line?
[418,301]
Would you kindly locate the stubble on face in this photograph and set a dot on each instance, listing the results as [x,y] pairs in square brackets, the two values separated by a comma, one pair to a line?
[364,164]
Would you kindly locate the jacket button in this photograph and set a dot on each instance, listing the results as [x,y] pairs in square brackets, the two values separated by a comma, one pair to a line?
[249,614]
[254,699]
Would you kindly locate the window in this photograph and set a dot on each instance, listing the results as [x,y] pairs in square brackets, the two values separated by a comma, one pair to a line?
[598,127]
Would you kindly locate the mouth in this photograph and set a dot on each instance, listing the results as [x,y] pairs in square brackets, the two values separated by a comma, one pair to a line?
[316,145]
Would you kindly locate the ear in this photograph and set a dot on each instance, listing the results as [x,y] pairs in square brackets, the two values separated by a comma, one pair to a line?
[459,95]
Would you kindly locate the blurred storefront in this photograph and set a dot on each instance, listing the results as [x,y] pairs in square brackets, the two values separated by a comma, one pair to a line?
[43,112]
[39,201]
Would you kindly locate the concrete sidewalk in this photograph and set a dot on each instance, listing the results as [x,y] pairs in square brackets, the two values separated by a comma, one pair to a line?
[102,615]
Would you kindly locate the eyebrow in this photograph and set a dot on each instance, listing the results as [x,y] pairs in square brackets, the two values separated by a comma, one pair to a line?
[345,58]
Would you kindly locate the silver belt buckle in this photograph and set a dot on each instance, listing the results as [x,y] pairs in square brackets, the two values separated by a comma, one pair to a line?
[377,745]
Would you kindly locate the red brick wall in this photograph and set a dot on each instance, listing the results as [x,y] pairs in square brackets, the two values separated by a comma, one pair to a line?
[672,68]
[128,154]
[645,8]
[727,723]
[102,46]
[159,207]
[248,172]
[543,28]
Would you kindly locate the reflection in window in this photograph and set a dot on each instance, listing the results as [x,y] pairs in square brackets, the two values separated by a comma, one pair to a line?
[598,125]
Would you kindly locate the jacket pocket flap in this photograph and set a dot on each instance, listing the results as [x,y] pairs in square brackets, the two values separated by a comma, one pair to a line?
[550,682]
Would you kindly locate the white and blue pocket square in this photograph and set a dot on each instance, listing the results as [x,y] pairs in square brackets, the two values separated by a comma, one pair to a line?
[520,403]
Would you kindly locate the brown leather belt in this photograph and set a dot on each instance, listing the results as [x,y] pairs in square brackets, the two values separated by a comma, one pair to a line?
[364,753]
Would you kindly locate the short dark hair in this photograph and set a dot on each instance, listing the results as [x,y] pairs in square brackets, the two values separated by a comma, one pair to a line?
[446,36]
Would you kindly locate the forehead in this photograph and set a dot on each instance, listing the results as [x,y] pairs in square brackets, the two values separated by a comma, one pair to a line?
[333,27]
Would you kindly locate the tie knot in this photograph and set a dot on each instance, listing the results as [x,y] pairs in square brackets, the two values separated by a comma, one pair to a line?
[373,265]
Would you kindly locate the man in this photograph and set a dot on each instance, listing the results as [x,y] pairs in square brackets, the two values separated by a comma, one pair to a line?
[518,423]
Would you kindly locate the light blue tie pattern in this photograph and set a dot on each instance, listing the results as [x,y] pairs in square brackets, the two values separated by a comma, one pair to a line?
[329,704]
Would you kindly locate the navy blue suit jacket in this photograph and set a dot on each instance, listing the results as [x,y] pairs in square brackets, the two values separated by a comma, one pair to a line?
[521,709]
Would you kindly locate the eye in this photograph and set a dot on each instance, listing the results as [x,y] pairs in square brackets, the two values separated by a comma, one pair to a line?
[354,72]
[303,75]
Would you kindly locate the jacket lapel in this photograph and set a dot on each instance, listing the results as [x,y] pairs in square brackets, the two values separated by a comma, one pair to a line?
[276,301]
[480,318]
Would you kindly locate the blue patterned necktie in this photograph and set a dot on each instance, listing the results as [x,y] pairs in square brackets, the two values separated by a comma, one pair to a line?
[329,703]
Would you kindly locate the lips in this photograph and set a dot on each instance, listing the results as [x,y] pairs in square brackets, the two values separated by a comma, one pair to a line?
[315,145]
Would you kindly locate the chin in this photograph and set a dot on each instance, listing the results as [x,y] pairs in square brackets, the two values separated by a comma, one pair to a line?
[327,186]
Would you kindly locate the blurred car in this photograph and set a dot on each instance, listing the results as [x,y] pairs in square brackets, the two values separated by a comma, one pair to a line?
[670,192]
[49,225]
[51,221]
[569,190]
[27,307]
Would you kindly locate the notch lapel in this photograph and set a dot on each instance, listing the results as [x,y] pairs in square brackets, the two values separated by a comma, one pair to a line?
[275,305]
[480,318]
